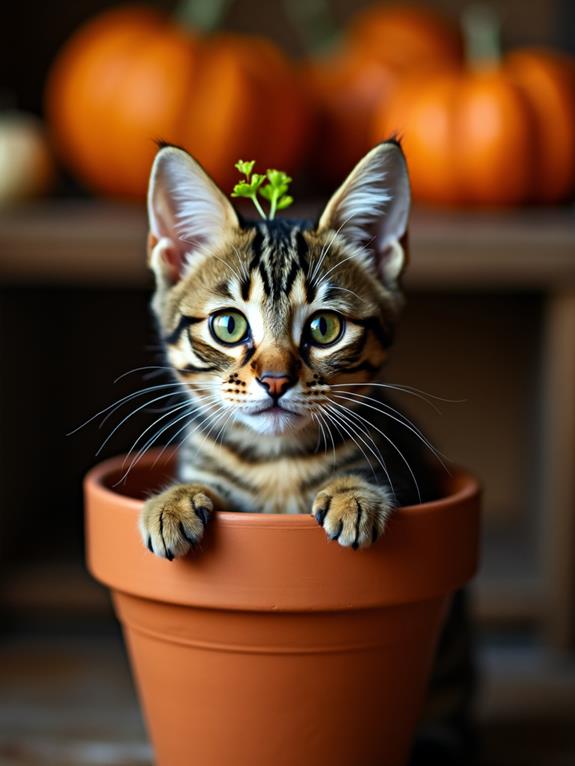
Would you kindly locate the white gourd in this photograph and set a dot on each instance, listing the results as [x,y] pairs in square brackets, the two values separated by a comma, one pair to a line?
[26,163]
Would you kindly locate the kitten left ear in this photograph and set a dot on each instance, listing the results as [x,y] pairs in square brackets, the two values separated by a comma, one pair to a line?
[188,214]
[371,209]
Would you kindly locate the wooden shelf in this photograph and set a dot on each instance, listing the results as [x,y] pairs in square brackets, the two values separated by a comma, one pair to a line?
[103,244]
[62,588]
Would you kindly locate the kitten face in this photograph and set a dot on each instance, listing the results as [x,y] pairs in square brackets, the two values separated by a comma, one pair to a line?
[261,320]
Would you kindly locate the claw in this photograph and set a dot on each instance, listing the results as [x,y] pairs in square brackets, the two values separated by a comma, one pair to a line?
[355,544]
[339,531]
[322,512]
[191,541]
[203,514]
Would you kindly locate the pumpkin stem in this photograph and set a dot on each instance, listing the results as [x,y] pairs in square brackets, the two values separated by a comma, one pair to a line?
[482,35]
[202,15]
[314,21]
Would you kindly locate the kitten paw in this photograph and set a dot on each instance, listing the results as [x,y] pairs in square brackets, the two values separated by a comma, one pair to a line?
[352,511]
[173,522]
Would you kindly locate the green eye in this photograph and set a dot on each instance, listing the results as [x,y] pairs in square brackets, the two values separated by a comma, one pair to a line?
[325,328]
[229,327]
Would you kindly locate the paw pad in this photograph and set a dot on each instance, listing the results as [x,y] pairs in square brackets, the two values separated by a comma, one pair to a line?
[352,514]
[173,523]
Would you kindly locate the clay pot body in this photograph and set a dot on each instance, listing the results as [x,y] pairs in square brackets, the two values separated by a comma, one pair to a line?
[272,645]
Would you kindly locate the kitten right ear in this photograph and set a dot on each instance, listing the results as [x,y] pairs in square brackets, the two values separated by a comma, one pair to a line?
[371,209]
[188,214]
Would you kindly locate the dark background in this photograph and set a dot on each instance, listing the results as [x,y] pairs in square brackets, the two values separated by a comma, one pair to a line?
[62,347]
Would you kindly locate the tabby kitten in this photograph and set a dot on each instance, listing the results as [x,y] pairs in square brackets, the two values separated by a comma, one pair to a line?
[277,330]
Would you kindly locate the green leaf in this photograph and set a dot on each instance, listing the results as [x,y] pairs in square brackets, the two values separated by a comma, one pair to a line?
[266,192]
[242,189]
[278,178]
[257,181]
[274,191]
[245,167]
[284,202]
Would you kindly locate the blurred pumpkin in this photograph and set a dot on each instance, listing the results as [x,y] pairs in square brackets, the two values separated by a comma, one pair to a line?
[382,44]
[407,37]
[501,134]
[345,87]
[547,81]
[26,164]
[247,102]
[131,76]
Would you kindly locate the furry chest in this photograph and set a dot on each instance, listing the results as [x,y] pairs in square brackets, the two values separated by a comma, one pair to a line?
[281,487]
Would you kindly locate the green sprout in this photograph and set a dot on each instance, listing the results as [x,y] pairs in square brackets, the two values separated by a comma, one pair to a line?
[274,191]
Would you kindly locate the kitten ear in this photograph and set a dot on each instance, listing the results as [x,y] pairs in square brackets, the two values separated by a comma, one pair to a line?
[371,209]
[188,214]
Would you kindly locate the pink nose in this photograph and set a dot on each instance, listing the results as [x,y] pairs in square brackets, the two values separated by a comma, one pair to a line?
[275,383]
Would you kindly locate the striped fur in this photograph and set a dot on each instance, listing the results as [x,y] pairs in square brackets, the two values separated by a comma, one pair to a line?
[326,441]
[339,451]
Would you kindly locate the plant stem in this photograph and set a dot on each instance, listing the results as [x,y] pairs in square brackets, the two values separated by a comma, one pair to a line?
[202,15]
[482,33]
[314,21]
[259,208]
[273,206]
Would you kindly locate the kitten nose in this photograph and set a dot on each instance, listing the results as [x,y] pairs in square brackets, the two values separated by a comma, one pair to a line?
[275,383]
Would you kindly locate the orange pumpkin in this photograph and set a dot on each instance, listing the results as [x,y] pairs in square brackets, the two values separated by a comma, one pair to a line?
[547,81]
[247,102]
[346,88]
[500,135]
[407,37]
[382,44]
[132,76]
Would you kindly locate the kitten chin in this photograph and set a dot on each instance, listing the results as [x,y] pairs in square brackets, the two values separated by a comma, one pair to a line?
[275,422]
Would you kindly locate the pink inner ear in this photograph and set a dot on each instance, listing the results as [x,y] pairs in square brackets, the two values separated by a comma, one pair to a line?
[174,263]
[173,257]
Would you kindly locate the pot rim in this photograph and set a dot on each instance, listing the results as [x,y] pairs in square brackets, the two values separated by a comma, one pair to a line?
[268,562]
[464,486]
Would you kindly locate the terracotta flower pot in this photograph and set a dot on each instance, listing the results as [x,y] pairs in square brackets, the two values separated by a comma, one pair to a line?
[272,645]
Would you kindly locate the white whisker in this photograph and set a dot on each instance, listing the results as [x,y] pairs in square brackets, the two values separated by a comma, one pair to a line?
[127,417]
[121,401]
[326,248]
[345,290]
[143,369]
[335,266]
[320,434]
[174,436]
[326,424]
[220,433]
[378,456]
[192,408]
[242,264]
[423,395]
[406,423]
[218,258]
[356,415]
[142,451]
